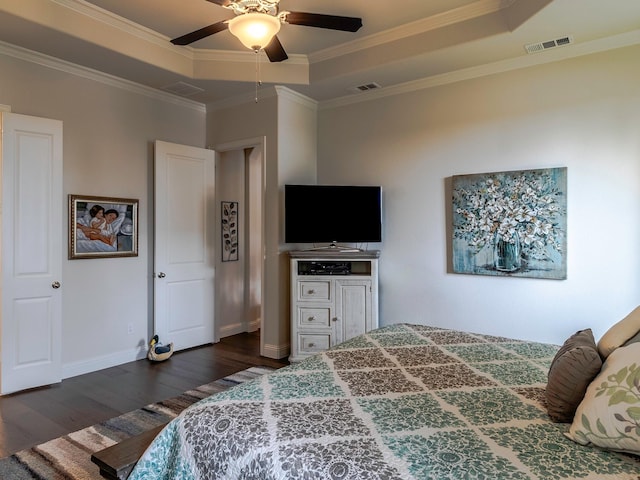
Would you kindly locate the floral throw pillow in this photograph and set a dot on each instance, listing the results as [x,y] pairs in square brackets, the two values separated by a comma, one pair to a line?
[609,415]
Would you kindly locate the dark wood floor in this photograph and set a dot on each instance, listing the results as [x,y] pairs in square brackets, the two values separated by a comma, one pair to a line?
[35,416]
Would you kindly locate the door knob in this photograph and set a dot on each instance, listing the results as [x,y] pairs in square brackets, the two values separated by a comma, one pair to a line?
[55,285]
[161,275]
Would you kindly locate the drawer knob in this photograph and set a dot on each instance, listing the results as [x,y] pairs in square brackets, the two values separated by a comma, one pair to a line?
[311,319]
[334,319]
[311,291]
[311,345]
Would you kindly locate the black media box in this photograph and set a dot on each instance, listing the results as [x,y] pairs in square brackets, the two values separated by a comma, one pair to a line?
[329,268]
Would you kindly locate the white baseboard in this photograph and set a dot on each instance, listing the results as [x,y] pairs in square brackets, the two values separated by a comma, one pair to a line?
[253,326]
[240,327]
[233,329]
[276,351]
[99,363]
[269,351]
[125,356]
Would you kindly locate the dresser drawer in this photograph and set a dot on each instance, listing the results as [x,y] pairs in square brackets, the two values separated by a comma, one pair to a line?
[314,317]
[314,343]
[314,290]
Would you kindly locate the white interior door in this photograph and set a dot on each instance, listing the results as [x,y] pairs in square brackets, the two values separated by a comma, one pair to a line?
[32,206]
[184,244]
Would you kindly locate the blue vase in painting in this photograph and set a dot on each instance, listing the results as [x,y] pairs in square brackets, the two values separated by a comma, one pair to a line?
[506,253]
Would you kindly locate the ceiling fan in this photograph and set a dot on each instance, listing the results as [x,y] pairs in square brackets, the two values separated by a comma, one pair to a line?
[258,21]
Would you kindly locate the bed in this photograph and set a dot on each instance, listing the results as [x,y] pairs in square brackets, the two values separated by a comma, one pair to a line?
[401,402]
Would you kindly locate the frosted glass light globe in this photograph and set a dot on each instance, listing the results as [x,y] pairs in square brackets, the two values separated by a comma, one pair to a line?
[254,30]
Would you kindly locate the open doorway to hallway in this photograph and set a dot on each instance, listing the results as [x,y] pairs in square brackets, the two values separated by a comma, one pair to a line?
[239,264]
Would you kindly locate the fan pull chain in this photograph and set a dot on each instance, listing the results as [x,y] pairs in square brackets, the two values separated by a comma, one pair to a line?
[258,81]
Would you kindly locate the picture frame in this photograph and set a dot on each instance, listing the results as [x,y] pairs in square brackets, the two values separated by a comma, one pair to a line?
[229,231]
[511,223]
[102,227]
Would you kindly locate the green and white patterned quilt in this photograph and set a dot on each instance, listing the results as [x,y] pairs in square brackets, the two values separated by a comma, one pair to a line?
[401,402]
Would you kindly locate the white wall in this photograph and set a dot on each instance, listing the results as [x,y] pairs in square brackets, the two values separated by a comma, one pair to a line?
[581,113]
[109,130]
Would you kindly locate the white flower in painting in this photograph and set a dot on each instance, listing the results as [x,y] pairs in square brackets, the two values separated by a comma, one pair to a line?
[545,229]
[475,243]
[485,224]
[528,238]
[526,206]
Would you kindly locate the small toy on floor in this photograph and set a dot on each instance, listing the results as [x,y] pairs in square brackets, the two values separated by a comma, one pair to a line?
[157,351]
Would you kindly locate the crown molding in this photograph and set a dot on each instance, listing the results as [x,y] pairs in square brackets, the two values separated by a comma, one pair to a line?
[198,59]
[263,93]
[460,14]
[480,7]
[267,92]
[95,75]
[194,54]
[109,18]
[292,95]
[209,55]
[550,56]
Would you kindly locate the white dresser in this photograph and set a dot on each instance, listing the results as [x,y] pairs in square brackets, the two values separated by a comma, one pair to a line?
[334,297]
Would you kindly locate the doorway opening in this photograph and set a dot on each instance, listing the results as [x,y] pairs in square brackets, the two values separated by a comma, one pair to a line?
[240,261]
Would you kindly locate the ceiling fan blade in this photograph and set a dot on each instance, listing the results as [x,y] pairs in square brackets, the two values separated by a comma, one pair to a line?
[332,22]
[200,34]
[275,51]
[222,3]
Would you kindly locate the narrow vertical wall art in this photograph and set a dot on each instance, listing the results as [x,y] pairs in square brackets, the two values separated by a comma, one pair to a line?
[229,224]
[511,223]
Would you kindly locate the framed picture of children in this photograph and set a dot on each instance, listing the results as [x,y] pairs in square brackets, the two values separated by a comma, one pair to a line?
[102,227]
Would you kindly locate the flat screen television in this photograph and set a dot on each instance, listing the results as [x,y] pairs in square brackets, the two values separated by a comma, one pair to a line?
[332,214]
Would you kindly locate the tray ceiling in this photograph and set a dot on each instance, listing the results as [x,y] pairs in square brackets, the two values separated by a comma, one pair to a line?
[399,43]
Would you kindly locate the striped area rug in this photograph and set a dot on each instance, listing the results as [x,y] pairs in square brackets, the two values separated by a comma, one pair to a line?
[69,457]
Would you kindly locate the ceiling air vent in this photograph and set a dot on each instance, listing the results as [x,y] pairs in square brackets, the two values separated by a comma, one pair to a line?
[365,87]
[183,89]
[540,46]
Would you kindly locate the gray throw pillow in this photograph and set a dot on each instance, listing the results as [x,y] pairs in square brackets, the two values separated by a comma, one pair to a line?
[573,368]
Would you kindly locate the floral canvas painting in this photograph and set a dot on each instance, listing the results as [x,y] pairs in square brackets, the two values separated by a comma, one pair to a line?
[511,223]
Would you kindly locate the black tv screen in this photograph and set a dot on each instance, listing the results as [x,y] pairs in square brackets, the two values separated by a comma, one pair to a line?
[332,214]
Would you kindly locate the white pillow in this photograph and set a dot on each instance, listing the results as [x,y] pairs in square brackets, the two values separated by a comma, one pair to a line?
[609,414]
[618,334]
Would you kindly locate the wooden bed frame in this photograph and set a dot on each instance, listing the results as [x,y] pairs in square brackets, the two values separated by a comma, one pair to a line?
[117,461]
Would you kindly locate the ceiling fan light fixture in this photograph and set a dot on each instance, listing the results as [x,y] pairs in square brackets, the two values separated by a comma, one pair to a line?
[254,30]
